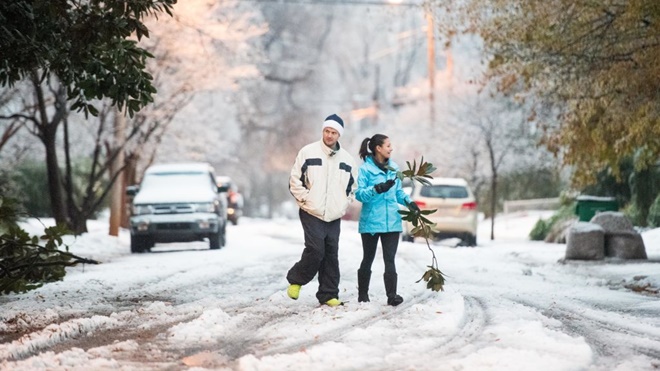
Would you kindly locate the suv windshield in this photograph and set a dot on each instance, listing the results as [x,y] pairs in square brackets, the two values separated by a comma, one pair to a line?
[443,191]
[176,180]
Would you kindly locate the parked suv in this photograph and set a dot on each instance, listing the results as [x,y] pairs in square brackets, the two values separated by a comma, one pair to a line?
[234,198]
[456,214]
[178,203]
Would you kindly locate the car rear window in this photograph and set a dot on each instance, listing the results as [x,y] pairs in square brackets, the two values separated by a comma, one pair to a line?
[443,191]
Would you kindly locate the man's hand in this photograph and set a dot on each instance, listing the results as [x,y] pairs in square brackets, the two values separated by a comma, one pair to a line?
[413,207]
[384,187]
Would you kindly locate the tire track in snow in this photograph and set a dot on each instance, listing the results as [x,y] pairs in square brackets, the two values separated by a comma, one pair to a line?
[471,327]
[231,347]
[609,340]
[469,330]
[466,340]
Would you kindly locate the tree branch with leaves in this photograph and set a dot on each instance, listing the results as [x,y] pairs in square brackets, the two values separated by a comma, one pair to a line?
[27,262]
[422,226]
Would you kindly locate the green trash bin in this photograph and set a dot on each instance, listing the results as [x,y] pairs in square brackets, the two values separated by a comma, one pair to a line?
[588,206]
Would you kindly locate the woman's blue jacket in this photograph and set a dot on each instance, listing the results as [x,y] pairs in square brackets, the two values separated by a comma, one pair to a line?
[379,211]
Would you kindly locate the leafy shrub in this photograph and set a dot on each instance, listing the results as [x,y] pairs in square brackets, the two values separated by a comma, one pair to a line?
[31,182]
[632,212]
[543,227]
[28,183]
[654,214]
[9,210]
[540,230]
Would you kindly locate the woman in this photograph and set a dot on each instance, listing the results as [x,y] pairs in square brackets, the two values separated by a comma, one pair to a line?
[380,193]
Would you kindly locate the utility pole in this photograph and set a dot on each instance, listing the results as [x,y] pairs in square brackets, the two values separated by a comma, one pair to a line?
[430,42]
[117,193]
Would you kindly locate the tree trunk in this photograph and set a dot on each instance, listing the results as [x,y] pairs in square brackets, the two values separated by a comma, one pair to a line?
[78,223]
[129,178]
[68,179]
[54,181]
[493,186]
[47,131]
[493,204]
[117,191]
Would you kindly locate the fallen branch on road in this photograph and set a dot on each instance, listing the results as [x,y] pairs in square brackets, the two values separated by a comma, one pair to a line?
[27,262]
[422,227]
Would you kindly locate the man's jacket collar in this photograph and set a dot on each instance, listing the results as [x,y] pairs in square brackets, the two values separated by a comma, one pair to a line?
[327,150]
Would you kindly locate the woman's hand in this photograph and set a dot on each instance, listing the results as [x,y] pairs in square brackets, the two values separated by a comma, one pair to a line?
[384,187]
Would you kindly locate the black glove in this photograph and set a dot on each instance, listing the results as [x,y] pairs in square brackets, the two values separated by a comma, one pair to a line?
[413,207]
[384,187]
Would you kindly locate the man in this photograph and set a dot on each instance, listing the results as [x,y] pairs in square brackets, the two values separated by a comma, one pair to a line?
[323,183]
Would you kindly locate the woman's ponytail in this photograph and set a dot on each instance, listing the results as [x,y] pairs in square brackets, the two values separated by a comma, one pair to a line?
[364,151]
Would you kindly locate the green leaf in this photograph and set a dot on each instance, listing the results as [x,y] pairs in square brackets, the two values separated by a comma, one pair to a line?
[422,180]
[426,221]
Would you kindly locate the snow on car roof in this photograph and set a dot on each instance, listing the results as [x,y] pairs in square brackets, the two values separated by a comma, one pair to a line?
[448,181]
[179,167]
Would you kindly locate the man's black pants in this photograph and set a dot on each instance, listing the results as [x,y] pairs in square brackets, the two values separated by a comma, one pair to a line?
[319,256]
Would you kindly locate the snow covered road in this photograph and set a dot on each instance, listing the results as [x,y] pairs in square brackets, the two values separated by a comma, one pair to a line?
[509,304]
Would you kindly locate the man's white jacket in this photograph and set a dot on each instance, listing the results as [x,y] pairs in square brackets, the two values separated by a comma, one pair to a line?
[323,181]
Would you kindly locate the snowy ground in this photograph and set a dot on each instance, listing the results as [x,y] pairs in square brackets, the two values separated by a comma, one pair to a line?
[509,304]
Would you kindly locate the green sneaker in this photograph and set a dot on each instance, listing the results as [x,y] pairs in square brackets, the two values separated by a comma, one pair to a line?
[333,303]
[293,291]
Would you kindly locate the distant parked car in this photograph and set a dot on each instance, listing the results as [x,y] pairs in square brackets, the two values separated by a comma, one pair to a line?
[456,214]
[177,203]
[234,198]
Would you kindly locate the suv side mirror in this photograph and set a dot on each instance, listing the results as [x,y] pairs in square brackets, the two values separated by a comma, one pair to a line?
[132,190]
[223,188]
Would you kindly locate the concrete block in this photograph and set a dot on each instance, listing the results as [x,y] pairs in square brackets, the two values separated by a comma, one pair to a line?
[585,241]
[613,222]
[625,245]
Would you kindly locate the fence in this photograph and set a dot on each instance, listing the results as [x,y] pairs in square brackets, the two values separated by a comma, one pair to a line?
[533,204]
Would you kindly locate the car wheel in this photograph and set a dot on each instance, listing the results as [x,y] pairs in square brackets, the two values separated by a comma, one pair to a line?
[471,240]
[407,238]
[138,244]
[214,241]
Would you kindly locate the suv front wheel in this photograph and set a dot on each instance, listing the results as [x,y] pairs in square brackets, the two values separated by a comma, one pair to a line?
[140,243]
[216,240]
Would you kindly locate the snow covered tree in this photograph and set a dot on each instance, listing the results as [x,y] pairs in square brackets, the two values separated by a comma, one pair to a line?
[73,52]
[195,51]
[203,53]
[277,114]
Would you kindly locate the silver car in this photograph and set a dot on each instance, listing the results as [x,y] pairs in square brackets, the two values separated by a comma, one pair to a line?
[456,214]
[178,203]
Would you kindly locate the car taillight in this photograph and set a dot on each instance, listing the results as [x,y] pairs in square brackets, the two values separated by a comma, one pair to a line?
[469,206]
[421,204]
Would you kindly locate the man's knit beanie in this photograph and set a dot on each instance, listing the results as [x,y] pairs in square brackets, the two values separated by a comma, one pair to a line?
[335,122]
